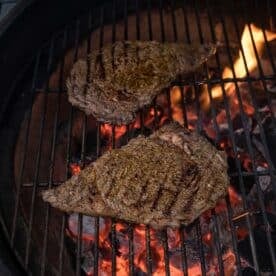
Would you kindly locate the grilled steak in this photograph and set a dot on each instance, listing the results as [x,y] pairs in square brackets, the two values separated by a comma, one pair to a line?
[167,179]
[114,82]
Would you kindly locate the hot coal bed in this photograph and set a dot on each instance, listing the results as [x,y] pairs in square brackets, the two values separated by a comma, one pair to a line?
[231,100]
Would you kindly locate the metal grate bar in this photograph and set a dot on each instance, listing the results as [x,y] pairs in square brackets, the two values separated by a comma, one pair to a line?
[64,217]
[250,150]
[130,226]
[238,165]
[38,158]
[183,95]
[184,111]
[126,19]
[199,129]
[147,230]
[183,251]
[97,220]
[79,227]
[168,94]
[183,106]
[229,208]
[186,24]
[130,249]
[68,150]
[234,174]
[148,251]
[172,3]
[166,252]
[61,247]
[113,247]
[200,245]
[52,158]
[225,80]
[83,153]
[114,7]
[137,20]
[98,153]
[26,139]
[233,233]
[149,19]
[163,38]
[197,86]
[216,128]
[217,243]
[183,82]
[269,15]
[113,221]
[79,245]
[256,114]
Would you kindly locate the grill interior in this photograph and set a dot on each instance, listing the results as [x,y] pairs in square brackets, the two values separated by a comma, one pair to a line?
[48,140]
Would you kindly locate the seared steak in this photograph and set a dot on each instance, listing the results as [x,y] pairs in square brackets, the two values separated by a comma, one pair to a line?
[114,82]
[167,179]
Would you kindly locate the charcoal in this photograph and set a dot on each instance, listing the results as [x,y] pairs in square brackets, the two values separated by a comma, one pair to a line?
[249,271]
[263,254]
[271,142]
[258,220]
[248,181]
[238,123]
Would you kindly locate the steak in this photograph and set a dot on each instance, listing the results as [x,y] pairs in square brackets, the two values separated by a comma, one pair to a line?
[117,80]
[167,179]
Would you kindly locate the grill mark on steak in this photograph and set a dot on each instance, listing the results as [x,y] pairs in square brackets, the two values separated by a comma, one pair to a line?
[154,204]
[113,56]
[167,207]
[108,192]
[195,179]
[190,172]
[100,65]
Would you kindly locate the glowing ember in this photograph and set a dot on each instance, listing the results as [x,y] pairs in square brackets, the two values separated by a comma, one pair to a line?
[139,247]
[235,199]
[177,111]
[229,261]
[75,168]
[119,131]
[177,108]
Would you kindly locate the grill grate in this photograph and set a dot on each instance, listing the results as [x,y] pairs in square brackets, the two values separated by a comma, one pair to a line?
[46,61]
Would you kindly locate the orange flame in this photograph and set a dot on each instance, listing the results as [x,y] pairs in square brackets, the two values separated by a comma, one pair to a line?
[177,110]
[119,131]
[249,56]
[176,98]
[75,168]
[239,66]
[235,199]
